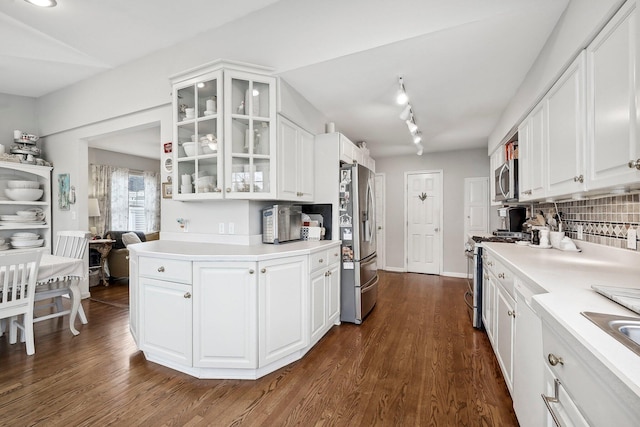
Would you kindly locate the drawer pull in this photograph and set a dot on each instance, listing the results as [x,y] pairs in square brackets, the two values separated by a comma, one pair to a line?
[161,269]
[549,400]
[326,274]
[635,164]
[554,360]
[579,178]
[187,295]
[264,270]
[320,260]
[251,271]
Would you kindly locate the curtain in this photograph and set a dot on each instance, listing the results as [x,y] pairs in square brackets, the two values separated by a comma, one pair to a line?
[119,199]
[152,200]
[101,190]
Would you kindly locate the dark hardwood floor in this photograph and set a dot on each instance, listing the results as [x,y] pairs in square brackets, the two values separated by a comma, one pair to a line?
[415,361]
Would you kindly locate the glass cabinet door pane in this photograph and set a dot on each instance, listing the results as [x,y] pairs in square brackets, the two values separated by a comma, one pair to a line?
[260,100]
[186,100]
[261,171]
[207,176]
[207,98]
[186,137]
[240,175]
[184,185]
[239,92]
[261,141]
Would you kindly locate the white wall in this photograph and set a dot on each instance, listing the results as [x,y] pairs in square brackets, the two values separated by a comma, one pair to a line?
[16,112]
[97,156]
[456,166]
[576,28]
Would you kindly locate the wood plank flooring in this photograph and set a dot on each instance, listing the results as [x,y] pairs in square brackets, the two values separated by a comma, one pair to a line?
[415,361]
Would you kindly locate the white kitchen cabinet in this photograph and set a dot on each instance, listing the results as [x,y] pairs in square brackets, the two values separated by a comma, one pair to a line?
[24,172]
[488,303]
[505,329]
[165,319]
[283,313]
[224,133]
[527,361]
[325,292]
[224,294]
[532,163]
[566,131]
[613,73]
[589,389]
[295,162]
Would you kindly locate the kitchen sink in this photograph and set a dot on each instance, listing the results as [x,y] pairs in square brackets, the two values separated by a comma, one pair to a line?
[624,329]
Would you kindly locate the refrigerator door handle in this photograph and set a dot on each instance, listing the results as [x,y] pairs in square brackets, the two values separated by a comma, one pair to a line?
[367,214]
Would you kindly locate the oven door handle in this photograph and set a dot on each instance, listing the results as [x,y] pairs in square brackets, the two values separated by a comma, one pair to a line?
[466,301]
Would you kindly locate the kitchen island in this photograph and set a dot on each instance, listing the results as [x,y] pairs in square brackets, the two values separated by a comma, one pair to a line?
[598,378]
[232,311]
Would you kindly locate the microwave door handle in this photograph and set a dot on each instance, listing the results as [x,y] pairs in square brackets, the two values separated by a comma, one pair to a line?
[500,175]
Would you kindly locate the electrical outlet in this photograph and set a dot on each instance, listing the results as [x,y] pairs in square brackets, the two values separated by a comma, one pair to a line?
[232,228]
[580,232]
[632,235]
[221,228]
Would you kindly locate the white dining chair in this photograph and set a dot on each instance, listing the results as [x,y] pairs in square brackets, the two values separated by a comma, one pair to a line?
[70,244]
[18,274]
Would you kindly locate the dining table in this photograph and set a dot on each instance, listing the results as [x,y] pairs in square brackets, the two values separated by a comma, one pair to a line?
[58,272]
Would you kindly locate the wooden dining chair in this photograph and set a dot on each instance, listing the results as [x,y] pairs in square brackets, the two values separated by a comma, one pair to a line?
[18,274]
[70,244]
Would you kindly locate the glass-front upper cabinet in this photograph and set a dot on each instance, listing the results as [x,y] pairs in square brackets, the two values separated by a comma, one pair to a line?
[250,135]
[198,138]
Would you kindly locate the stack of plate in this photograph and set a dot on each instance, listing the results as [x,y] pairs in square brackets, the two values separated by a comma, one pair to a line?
[22,217]
[26,240]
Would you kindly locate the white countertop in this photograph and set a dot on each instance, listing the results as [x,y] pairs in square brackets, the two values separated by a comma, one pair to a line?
[563,281]
[196,251]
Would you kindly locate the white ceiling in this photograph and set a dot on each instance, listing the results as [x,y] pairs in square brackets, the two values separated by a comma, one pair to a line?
[462,60]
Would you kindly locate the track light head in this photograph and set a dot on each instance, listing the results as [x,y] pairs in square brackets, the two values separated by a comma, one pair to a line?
[402,97]
[406,113]
[413,128]
[417,138]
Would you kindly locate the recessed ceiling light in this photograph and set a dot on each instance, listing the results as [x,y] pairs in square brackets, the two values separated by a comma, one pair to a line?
[43,3]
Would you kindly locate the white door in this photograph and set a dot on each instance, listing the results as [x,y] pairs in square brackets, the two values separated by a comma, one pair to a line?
[424,241]
[476,207]
[380,211]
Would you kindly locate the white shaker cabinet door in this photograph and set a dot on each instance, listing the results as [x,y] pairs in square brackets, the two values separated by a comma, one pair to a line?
[165,320]
[225,315]
[566,131]
[613,70]
[318,296]
[283,292]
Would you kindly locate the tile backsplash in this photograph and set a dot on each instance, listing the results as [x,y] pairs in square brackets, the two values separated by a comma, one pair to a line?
[604,220]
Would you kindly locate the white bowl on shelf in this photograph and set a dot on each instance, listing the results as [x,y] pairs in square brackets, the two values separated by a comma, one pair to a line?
[23,184]
[24,194]
[189,148]
[27,243]
[22,236]
[204,181]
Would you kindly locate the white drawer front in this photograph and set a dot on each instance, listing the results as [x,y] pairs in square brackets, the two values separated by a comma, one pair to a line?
[165,269]
[319,260]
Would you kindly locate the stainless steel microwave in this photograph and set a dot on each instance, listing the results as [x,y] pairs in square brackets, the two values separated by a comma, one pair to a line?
[506,181]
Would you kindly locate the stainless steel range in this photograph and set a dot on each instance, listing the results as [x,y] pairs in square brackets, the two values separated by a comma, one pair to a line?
[473,252]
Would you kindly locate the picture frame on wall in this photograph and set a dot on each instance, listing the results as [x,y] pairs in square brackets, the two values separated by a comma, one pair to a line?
[167,190]
[64,189]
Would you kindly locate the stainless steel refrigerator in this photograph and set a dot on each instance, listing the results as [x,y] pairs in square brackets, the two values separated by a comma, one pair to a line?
[359,279]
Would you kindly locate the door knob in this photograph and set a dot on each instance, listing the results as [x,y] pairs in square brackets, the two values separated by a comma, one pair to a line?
[579,178]
[161,269]
[187,295]
[635,164]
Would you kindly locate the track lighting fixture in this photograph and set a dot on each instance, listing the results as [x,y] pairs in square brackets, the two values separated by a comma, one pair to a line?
[402,97]
[407,115]
[42,3]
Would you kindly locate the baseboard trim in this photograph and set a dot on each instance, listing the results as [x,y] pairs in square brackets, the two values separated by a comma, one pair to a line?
[395,269]
[452,274]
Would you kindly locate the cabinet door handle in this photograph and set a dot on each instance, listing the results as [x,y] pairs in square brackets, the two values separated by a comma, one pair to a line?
[326,274]
[264,270]
[161,269]
[251,271]
[336,254]
[500,275]
[554,360]
[635,164]
[510,313]
[228,190]
[320,260]
[555,399]
[187,295]
[579,178]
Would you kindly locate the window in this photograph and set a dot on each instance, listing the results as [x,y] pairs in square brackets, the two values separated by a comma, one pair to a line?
[137,217]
